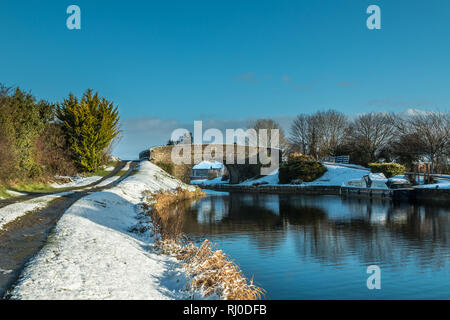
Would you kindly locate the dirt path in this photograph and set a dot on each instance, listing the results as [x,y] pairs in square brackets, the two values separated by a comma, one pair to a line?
[32,195]
[22,238]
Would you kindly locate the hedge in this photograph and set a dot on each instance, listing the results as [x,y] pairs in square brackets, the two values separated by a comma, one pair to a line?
[300,168]
[388,169]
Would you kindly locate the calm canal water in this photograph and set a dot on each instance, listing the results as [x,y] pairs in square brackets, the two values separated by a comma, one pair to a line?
[319,247]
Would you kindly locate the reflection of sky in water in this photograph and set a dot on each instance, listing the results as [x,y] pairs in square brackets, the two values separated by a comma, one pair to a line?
[319,246]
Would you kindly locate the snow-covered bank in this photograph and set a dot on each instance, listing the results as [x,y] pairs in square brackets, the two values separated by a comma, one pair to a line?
[92,254]
[16,210]
[336,175]
[440,184]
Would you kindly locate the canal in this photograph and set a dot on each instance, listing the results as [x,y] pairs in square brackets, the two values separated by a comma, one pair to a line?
[319,247]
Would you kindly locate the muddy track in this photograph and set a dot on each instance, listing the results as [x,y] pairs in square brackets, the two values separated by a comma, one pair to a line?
[24,237]
[32,195]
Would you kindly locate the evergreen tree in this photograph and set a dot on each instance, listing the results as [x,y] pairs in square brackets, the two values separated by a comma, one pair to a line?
[22,120]
[90,126]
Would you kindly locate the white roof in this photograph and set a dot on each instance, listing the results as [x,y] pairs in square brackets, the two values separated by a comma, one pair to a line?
[377,177]
[208,165]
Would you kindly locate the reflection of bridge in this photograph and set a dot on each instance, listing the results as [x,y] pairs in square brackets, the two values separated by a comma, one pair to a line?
[242,162]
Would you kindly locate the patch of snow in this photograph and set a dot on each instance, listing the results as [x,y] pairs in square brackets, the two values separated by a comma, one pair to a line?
[77,181]
[109,168]
[108,181]
[271,179]
[15,193]
[16,210]
[126,167]
[440,184]
[378,177]
[208,165]
[346,165]
[92,254]
[337,175]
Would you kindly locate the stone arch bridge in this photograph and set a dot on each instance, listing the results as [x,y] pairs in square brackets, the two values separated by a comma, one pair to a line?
[238,172]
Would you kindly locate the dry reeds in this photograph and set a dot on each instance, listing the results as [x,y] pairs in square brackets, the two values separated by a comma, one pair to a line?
[165,208]
[211,271]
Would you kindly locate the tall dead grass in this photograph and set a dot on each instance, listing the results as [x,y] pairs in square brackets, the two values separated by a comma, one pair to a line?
[211,271]
[165,208]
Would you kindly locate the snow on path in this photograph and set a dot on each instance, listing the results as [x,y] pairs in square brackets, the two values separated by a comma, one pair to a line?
[15,210]
[108,181]
[77,181]
[91,253]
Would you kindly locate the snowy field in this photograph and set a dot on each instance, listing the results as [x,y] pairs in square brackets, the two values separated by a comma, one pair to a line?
[16,210]
[92,254]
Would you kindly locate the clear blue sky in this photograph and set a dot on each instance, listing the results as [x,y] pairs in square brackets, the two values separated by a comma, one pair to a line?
[225,60]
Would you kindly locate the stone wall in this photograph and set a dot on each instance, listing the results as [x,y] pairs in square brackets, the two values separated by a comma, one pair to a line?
[441,195]
[281,189]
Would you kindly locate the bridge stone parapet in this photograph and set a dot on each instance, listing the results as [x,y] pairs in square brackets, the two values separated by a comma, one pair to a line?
[242,162]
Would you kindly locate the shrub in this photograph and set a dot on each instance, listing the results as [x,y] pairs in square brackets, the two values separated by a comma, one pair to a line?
[90,125]
[166,166]
[300,167]
[54,154]
[388,169]
[7,158]
[22,120]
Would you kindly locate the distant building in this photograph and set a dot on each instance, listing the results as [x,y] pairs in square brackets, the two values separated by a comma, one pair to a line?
[207,169]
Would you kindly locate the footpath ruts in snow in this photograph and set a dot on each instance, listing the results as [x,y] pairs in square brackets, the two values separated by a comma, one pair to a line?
[77,181]
[92,254]
[16,210]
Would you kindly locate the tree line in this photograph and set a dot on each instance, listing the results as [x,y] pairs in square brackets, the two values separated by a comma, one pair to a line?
[41,139]
[370,137]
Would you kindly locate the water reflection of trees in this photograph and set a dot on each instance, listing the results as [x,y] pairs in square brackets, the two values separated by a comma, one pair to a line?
[329,229]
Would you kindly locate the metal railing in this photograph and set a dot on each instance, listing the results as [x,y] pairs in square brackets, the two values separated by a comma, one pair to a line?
[337,159]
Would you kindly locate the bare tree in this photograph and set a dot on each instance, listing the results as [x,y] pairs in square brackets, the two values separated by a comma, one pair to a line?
[432,131]
[371,133]
[299,134]
[333,125]
[270,124]
[318,134]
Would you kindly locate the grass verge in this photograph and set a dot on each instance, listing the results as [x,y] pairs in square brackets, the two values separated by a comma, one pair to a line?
[30,186]
[3,193]
[211,270]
